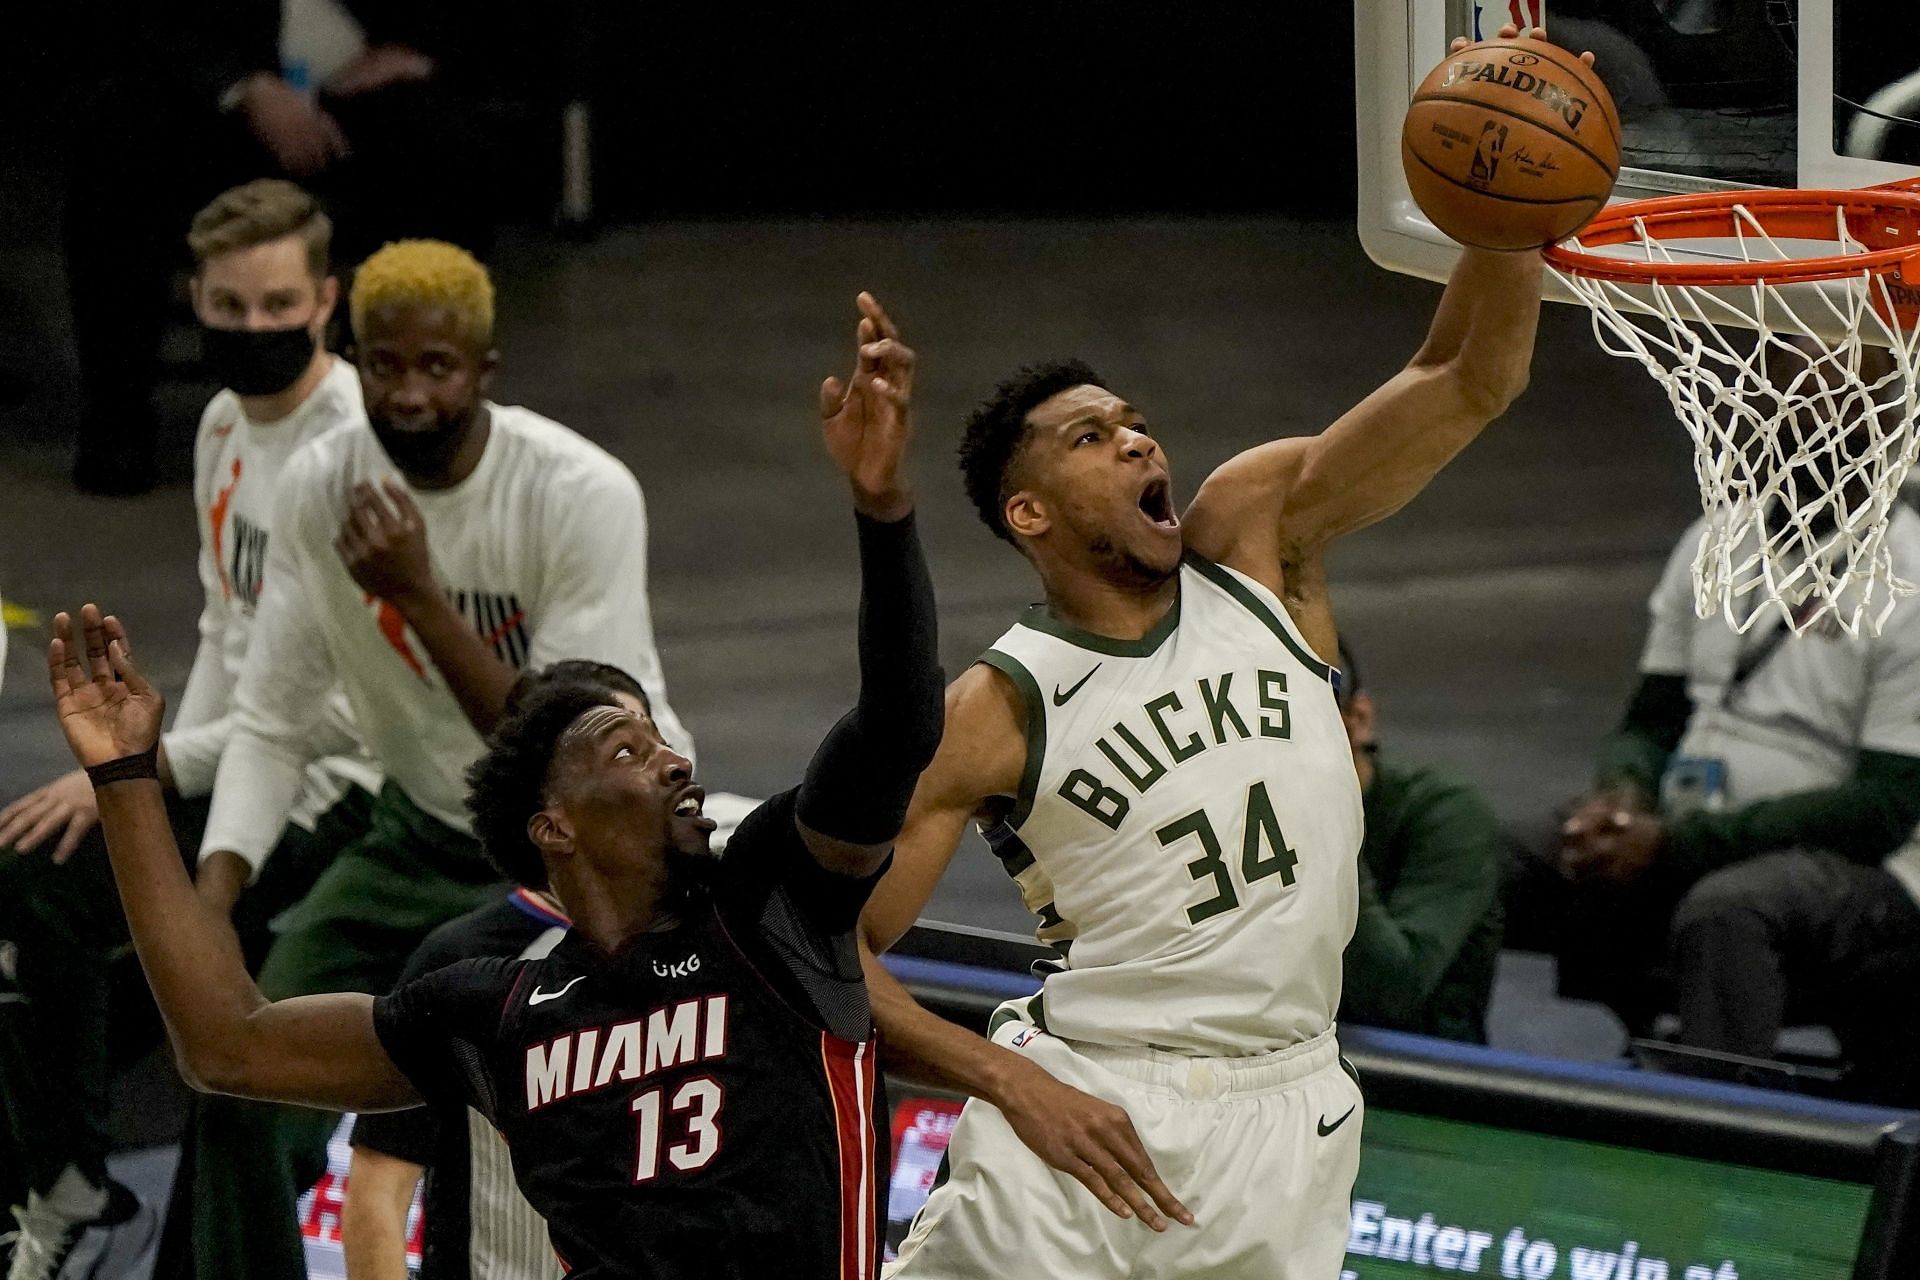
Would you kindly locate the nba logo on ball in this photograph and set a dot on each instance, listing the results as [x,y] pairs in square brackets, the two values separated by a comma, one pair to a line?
[1512,143]
[1524,14]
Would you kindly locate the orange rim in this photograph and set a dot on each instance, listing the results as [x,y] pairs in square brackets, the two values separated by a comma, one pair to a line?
[1884,219]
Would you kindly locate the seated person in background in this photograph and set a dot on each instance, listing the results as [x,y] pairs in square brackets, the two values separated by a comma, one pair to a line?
[1428,934]
[717,1119]
[477,1222]
[420,560]
[1752,823]
[262,288]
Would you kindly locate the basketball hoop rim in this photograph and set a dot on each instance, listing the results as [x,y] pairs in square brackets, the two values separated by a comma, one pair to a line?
[1806,214]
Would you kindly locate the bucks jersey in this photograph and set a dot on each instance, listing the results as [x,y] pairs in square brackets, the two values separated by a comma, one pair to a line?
[1187,826]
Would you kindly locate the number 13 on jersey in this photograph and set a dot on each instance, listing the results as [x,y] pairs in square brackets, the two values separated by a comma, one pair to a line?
[1263,852]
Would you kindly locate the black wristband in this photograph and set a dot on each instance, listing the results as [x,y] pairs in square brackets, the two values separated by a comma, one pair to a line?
[145,764]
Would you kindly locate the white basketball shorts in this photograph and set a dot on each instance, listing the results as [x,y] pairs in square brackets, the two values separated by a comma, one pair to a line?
[1263,1150]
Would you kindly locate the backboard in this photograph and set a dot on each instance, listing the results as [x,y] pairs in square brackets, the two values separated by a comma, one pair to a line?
[1713,94]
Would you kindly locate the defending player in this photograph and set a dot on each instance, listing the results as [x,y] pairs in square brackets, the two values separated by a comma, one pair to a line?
[421,559]
[1156,756]
[686,1080]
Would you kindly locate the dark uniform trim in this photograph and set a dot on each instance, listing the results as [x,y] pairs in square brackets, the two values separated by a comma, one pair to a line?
[1146,646]
[1225,580]
[1036,1011]
[1013,669]
[1009,848]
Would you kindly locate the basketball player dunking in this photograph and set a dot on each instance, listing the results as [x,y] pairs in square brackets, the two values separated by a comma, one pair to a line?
[1156,756]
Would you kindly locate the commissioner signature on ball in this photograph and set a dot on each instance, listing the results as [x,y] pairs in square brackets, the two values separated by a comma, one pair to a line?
[1524,157]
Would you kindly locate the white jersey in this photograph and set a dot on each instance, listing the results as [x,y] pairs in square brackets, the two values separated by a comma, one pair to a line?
[236,463]
[1808,705]
[543,549]
[1188,825]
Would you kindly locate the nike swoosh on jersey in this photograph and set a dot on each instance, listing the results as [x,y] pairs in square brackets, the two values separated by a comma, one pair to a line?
[541,997]
[1322,1126]
[1060,699]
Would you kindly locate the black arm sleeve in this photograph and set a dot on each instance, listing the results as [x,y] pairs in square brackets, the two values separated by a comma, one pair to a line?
[1636,753]
[863,774]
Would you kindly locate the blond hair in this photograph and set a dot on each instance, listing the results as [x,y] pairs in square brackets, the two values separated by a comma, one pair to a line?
[260,212]
[427,273]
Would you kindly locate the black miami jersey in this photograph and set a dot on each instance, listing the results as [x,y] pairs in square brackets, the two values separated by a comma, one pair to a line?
[700,1104]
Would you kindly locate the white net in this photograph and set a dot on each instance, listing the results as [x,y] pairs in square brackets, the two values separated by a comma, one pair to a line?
[1801,401]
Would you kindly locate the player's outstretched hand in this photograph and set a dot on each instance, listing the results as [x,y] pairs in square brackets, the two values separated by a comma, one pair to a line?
[866,420]
[1092,1141]
[1510,32]
[107,708]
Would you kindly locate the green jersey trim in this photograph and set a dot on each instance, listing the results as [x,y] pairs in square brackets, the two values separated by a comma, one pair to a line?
[1013,669]
[1146,646]
[1034,1009]
[1225,580]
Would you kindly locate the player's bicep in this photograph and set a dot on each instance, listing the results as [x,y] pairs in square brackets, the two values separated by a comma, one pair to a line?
[1235,518]
[317,1051]
[982,755]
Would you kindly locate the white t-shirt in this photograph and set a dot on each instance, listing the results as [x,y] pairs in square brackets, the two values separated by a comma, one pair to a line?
[543,548]
[1817,700]
[236,463]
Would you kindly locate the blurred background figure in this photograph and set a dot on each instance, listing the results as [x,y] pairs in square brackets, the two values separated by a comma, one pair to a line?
[366,103]
[263,288]
[1746,853]
[1423,951]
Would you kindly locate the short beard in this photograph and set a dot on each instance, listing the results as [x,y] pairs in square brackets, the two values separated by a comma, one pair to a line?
[426,454]
[689,874]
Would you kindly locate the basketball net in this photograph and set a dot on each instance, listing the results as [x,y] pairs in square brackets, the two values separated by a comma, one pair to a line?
[1800,441]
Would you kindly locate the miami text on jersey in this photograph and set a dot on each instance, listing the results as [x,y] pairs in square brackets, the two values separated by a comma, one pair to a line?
[595,1058]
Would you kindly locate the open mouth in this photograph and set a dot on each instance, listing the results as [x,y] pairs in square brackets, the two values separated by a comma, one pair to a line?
[1156,503]
[689,806]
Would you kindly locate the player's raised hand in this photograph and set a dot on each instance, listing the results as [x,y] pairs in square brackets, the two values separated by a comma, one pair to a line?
[383,542]
[866,420]
[107,709]
[1092,1141]
[1511,32]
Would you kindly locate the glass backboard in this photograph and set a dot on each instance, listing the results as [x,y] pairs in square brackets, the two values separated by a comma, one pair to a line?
[1713,94]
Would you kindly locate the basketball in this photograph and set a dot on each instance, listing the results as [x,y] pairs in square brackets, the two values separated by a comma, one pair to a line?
[1511,144]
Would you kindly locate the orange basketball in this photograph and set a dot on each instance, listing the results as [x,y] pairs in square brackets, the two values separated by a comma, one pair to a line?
[1511,144]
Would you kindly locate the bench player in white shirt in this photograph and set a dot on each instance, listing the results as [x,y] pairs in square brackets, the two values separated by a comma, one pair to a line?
[421,561]
[1157,758]
[264,293]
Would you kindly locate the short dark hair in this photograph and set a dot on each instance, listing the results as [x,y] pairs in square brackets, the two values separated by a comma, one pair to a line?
[578,671]
[998,428]
[507,785]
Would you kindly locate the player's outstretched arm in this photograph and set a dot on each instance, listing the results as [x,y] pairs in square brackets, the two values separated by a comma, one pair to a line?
[1271,510]
[982,755]
[860,779]
[318,1050]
